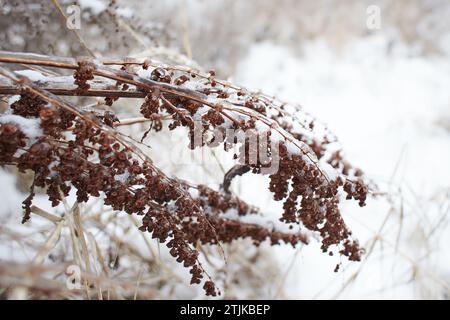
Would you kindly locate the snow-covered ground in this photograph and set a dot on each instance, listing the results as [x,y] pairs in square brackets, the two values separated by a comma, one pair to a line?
[390,109]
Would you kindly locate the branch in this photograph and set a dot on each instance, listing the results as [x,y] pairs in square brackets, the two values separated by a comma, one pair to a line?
[237,170]
[64,86]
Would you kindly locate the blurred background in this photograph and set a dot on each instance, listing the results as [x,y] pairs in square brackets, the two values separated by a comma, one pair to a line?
[376,72]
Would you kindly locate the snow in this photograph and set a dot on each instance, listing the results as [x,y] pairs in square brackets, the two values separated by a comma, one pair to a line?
[195,85]
[122,177]
[63,80]
[125,12]
[328,170]
[96,6]
[259,220]
[144,73]
[375,102]
[9,197]
[30,127]
[13,99]
[32,75]
[390,109]
[194,193]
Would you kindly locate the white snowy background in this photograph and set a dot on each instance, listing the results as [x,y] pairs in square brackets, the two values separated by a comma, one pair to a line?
[385,97]
[391,112]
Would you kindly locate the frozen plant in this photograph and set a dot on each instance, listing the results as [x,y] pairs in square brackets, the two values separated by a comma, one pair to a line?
[72,146]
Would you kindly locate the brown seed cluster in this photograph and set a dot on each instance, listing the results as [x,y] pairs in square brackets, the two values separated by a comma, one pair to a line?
[60,166]
[96,161]
[11,139]
[309,197]
[83,74]
[116,173]
[29,105]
